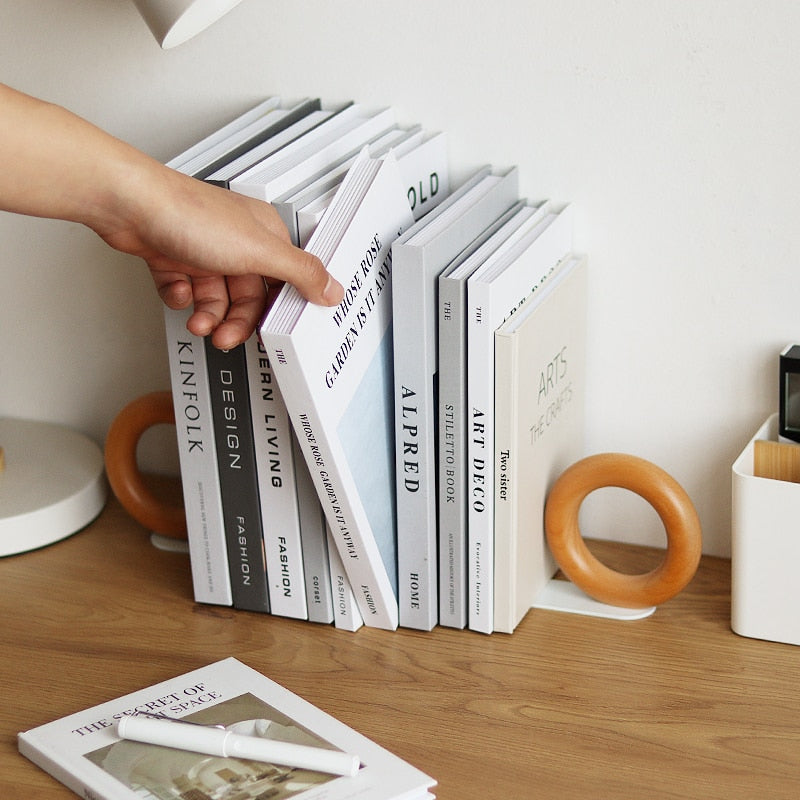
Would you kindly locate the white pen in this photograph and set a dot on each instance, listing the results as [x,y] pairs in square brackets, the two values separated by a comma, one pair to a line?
[219,742]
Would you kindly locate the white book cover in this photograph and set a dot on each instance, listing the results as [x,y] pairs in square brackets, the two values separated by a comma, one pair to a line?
[318,149]
[222,175]
[330,179]
[316,566]
[426,173]
[324,182]
[249,139]
[452,412]
[334,366]
[84,752]
[494,292]
[280,515]
[422,161]
[197,454]
[540,400]
[418,257]
[225,138]
[346,615]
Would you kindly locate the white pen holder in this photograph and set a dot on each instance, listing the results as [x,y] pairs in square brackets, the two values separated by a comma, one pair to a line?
[765,549]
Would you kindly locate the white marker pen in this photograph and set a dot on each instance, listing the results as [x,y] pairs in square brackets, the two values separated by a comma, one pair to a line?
[219,742]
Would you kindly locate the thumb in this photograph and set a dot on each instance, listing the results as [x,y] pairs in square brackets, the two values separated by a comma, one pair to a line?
[307,274]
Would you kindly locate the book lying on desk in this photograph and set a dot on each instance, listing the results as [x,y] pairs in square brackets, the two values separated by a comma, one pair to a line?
[86,754]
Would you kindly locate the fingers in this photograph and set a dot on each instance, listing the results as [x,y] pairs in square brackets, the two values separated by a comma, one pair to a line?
[211,303]
[248,297]
[174,289]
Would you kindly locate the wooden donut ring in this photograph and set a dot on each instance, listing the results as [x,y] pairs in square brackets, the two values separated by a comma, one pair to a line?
[671,503]
[123,472]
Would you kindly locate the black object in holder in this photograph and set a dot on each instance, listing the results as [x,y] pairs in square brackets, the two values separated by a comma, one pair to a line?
[789,403]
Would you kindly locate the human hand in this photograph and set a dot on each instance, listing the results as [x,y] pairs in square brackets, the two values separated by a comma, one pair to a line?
[225,253]
[204,245]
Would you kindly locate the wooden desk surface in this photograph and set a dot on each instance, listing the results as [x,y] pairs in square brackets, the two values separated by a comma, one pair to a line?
[673,706]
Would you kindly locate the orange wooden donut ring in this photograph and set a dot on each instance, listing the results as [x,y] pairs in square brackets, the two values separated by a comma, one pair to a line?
[682,525]
[123,472]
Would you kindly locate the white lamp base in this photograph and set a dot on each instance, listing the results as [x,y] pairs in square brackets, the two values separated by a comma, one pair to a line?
[53,484]
[565,596]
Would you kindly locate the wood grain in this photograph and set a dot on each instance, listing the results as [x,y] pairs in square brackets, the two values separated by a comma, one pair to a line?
[673,706]
[776,460]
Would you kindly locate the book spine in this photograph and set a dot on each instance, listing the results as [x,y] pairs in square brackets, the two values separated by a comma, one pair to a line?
[198,461]
[316,566]
[280,518]
[415,466]
[287,211]
[346,616]
[350,531]
[505,458]
[451,455]
[480,490]
[233,431]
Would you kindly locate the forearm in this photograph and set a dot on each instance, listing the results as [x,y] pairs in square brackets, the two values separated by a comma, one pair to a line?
[204,245]
[57,165]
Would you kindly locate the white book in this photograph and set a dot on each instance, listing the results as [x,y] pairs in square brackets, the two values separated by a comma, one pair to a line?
[334,367]
[326,181]
[316,150]
[309,216]
[330,179]
[540,399]
[421,160]
[425,173]
[223,175]
[233,133]
[316,563]
[198,461]
[346,615]
[452,413]
[280,515]
[494,292]
[84,752]
[418,257]
[251,136]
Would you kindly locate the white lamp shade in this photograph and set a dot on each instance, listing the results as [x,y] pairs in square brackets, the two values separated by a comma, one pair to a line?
[174,21]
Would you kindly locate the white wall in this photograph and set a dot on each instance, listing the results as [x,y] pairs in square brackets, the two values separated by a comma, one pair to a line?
[673,126]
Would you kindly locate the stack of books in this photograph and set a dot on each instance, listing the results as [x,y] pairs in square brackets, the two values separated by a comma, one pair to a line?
[384,462]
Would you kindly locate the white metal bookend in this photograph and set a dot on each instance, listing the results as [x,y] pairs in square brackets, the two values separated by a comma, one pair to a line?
[562,595]
[594,589]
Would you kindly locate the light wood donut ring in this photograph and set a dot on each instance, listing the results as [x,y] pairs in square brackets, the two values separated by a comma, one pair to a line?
[122,470]
[671,503]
